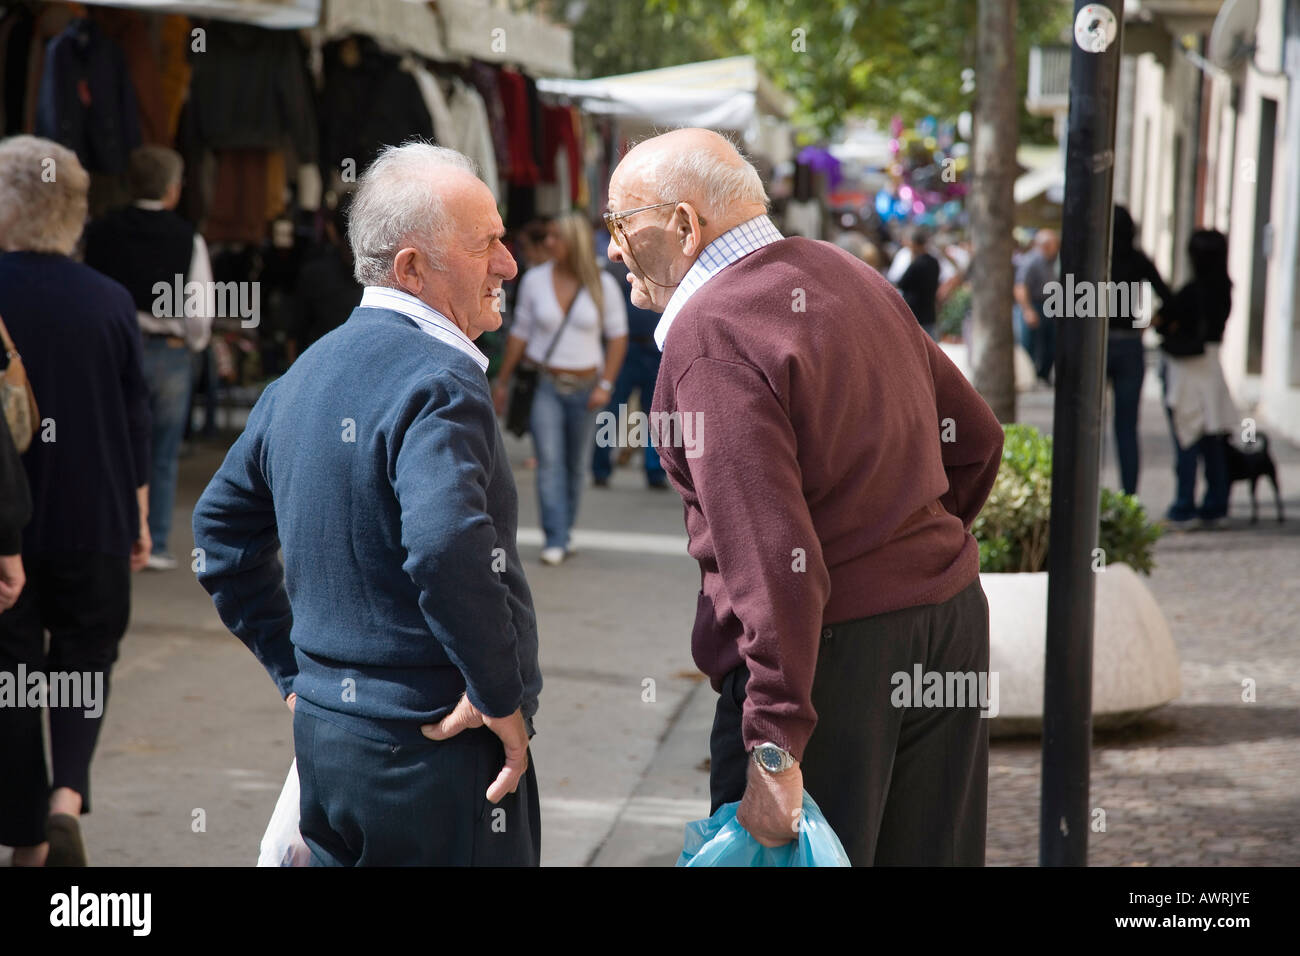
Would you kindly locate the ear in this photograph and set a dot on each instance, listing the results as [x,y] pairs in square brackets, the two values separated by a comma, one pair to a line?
[688,230]
[406,268]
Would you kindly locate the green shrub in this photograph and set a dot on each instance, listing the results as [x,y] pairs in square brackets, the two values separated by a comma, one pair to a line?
[954,311]
[1012,530]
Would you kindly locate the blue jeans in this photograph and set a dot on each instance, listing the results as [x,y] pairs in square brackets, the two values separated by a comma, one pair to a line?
[1213,451]
[640,369]
[563,431]
[167,371]
[1126,367]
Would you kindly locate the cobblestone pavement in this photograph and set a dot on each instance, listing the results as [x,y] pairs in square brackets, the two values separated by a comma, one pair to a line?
[1209,779]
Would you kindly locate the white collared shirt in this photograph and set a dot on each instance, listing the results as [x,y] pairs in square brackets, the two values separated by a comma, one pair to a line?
[429,319]
[732,245]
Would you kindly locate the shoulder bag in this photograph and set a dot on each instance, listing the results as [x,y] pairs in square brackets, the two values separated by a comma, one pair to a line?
[523,388]
[16,392]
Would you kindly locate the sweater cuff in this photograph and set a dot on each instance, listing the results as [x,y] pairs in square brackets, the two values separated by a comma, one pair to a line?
[501,700]
[11,542]
[791,735]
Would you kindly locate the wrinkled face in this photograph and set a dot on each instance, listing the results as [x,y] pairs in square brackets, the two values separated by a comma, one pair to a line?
[475,264]
[646,242]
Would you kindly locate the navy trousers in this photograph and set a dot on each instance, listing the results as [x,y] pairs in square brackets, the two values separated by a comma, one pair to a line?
[420,803]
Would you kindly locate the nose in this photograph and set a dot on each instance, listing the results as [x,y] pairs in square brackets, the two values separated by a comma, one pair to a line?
[614,253]
[504,264]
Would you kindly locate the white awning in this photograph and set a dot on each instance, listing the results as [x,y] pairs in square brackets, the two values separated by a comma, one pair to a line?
[275,14]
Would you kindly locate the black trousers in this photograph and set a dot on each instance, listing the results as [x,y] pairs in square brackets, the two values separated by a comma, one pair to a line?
[900,785]
[84,602]
[423,802]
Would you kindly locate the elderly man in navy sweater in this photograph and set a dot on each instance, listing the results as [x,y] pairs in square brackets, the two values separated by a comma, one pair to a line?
[829,504]
[400,629]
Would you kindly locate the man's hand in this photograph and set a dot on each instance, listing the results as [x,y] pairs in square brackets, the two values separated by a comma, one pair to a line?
[290,701]
[142,548]
[598,400]
[772,808]
[511,730]
[12,579]
[1031,318]
[501,398]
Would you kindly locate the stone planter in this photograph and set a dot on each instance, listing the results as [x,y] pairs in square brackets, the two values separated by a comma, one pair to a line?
[1135,662]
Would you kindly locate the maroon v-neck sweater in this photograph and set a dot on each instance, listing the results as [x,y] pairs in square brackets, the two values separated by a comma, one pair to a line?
[817,483]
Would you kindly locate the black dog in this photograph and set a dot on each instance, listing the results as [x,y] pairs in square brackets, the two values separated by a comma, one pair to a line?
[1253,465]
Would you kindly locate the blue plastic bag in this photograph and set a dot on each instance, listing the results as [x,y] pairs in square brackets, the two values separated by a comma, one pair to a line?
[722,841]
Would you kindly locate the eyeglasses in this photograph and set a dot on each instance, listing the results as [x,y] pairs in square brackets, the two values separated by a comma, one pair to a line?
[614,220]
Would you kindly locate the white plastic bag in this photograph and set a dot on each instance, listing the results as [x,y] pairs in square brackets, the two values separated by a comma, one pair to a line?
[282,844]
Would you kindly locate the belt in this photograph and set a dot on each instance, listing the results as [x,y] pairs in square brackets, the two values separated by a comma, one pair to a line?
[173,341]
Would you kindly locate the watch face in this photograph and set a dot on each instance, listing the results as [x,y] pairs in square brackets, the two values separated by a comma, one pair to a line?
[771,759]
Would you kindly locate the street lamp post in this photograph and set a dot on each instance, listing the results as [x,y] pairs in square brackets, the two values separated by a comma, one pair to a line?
[1076,444]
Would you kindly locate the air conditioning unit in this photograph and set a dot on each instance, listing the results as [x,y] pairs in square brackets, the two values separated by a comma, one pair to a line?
[1049,81]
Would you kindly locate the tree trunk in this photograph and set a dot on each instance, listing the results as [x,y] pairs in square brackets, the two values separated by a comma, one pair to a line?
[992,207]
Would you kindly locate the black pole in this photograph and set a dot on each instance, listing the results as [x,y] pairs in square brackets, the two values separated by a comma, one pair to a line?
[1076,430]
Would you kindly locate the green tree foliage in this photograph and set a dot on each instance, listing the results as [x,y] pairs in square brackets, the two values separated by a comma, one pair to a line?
[837,58]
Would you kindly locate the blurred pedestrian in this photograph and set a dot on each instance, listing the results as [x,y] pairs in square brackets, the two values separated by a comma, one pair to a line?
[919,283]
[638,374]
[565,307]
[1200,408]
[88,472]
[375,465]
[148,248]
[833,556]
[1037,270]
[325,292]
[1125,355]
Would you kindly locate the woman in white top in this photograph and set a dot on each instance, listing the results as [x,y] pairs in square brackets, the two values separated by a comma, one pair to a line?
[576,372]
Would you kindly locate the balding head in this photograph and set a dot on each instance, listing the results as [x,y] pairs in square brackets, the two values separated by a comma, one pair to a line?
[1047,242]
[697,166]
[701,186]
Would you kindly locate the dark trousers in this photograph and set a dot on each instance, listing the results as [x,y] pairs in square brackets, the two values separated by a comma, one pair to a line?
[638,374]
[899,785]
[1045,346]
[1213,451]
[1126,368]
[84,601]
[420,803]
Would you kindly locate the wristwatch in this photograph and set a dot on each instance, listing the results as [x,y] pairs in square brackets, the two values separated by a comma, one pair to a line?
[772,758]
[605,385]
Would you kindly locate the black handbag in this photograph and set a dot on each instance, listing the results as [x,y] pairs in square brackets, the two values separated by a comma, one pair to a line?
[523,387]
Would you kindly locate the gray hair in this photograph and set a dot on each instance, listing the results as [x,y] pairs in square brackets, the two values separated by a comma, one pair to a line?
[702,177]
[152,170]
[398,204]
[43,196]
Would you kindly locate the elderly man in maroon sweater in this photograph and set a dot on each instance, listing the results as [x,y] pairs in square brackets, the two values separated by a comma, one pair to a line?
[838,462]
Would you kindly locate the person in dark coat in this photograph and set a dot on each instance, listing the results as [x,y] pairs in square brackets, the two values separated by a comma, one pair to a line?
[1125,357]
[89,476]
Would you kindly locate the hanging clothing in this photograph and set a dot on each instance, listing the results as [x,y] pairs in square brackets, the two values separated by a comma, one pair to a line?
[368,102]
[434,101]
[132,31]
[51,20]
[472,132]
[519,128]
[15,48]
[484,78]
[250,91]
[87,101]
[239,202]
